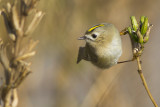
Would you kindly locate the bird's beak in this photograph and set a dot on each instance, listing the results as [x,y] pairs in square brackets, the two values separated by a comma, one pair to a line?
[82,38]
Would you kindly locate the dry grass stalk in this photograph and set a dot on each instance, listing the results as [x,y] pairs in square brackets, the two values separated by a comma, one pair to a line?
[14,53]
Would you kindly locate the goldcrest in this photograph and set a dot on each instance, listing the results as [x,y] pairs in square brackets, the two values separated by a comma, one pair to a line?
[103,45]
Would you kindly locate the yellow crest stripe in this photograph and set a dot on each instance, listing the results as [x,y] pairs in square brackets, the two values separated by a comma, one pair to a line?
[94,27]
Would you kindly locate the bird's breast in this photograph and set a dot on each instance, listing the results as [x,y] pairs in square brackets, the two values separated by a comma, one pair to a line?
[107,56]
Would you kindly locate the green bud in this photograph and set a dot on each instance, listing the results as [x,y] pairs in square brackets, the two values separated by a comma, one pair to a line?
[140,37]
[146,37]
[142,20]
[129,30]
[134,23]
[144,26]
[132,34]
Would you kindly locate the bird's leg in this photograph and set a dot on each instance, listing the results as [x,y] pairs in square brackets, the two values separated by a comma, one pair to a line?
[126,61]
[123,32]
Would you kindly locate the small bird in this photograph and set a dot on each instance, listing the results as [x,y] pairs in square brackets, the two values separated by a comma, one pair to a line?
[103,46]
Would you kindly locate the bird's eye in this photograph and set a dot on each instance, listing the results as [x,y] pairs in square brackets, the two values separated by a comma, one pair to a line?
[94,35]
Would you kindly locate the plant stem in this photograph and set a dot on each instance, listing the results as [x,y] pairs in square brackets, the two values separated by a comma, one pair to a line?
[144,81]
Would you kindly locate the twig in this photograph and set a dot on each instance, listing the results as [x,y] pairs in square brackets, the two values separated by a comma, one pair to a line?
[144,81]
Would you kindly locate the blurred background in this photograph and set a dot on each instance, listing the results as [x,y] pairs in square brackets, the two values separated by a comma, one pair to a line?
[57,81]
